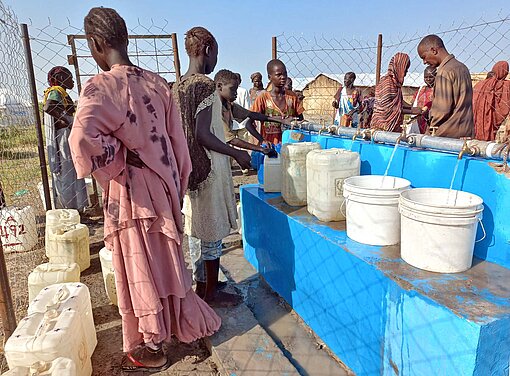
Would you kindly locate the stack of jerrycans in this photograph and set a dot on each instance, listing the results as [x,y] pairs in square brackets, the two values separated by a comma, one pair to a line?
[59,324]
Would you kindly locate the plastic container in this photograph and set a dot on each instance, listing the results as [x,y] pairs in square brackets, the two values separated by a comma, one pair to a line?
[48,274]
[57,218]
[68,244]
[57,367]
[326,171]
[40,188]
[439,228]
[18,230]
[273,174]
[69,296]
[105,256]
[294,171]
[48,336]
[371,204]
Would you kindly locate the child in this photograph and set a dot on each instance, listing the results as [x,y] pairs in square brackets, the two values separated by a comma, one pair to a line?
[277,102]
[128,133]
[209,206]
[68,191]
[226,87]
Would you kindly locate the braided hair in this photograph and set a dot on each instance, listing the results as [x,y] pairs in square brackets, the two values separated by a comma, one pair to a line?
[197,39]
[107,24]
[57,75]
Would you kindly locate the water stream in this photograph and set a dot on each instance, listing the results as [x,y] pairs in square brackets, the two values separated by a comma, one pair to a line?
[451,185]
[389,164]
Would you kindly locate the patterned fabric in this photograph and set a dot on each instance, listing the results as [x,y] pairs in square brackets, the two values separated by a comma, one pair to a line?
[491,102]
[423,98]
[57,94]
[265,104]
[347,103]
[128,108]
[388,112]
[191,93]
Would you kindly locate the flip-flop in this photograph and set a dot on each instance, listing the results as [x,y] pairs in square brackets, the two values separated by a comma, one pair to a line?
[137,366]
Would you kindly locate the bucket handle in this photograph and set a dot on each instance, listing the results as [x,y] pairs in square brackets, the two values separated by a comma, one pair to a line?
[342,207]
[484,233]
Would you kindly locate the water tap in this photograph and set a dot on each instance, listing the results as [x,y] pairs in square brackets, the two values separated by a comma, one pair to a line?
[403,135]
[356,134]
[323,126]
[465,150]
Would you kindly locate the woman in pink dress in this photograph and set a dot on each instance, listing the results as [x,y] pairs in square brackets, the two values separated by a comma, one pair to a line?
[127,132]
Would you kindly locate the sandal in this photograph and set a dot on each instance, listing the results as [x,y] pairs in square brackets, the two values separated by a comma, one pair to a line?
[131,364]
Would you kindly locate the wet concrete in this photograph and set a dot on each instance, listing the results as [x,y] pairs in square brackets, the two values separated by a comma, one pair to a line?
[306,352]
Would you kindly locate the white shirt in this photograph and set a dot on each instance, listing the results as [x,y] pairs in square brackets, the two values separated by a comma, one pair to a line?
[243,100]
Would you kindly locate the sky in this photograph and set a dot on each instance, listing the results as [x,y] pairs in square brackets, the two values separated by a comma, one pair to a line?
[244,28]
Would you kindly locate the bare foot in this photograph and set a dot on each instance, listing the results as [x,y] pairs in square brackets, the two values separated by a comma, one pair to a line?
[223,300]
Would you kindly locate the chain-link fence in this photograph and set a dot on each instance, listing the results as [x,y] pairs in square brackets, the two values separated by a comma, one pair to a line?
[318,64]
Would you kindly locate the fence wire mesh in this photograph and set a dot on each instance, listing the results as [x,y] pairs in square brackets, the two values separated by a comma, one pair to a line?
[318,64]
[22,211]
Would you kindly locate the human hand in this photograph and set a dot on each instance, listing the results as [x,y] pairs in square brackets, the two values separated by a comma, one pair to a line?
[243,159]
[335,103]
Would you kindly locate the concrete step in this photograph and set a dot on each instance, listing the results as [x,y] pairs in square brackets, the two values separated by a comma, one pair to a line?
[274,333]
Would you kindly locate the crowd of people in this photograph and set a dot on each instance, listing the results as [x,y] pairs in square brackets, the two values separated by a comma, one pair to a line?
[162,155]
[447,105]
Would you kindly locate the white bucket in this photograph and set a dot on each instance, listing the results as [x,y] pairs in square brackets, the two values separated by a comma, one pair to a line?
[436,236]
[371,203]
[18,230]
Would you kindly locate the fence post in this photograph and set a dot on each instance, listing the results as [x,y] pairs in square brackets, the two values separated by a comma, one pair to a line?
[7,313]
[177,61]
[73,60]
[379,59]
[37,115]
[274,49]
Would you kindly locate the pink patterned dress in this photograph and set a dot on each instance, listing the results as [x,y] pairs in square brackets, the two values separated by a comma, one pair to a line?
[130,108]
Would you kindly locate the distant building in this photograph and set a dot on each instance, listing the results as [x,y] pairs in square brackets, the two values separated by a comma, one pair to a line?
[14,111]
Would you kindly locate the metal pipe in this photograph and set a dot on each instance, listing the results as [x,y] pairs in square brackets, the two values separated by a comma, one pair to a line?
[482,149]
[274,50]
[7,312]
[177,61]
[37,116]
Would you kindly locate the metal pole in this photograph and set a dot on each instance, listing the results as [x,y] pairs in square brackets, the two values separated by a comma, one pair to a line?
[379,59]
[7,313]
[73,60]
[37,115]
[177,61]
[274,49]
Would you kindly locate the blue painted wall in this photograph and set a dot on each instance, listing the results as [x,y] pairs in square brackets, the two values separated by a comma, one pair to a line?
[435,169]
[375,312]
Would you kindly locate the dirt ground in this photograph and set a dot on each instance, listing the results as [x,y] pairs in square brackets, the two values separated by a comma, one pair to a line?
[187,359]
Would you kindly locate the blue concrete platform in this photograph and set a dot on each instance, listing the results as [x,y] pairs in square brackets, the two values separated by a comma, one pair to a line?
[378,314]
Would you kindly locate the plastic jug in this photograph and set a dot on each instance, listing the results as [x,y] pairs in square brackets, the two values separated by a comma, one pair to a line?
[48,274]
[273,174]
[68,244]
[105,256]
[58,367]
[294,171]
[69,296]
[18,230]
[325,174]
[47,336]
[60,217]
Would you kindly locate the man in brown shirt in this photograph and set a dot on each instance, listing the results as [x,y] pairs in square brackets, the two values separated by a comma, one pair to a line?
[452,112]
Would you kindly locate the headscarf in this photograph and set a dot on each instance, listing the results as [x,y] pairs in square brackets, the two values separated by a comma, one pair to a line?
[491,102]
[255,75]
[388,107]
[55,84]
